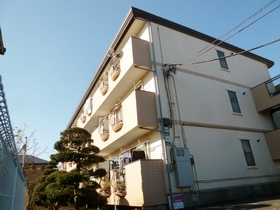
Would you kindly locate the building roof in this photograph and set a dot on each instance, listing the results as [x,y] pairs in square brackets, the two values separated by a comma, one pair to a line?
[32,159]
[2,48]
[137,14]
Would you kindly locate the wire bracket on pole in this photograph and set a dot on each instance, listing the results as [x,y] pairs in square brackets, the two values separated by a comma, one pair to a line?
[169,68]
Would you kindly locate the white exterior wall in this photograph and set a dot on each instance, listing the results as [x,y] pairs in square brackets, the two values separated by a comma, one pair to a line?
[220,161]
[207,101]
[203,100]
[176,47]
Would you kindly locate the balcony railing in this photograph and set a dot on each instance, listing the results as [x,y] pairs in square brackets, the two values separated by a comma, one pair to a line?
[273,86]
[267,94]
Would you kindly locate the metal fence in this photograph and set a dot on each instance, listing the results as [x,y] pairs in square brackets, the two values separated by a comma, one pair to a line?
[12,182]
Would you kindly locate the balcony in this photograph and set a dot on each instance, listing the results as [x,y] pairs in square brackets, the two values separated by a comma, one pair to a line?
[273,143]
[128,121]
[267,94]
[144,184]
[119,77]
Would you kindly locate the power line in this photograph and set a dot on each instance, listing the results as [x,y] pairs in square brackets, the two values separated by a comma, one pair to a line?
[202,51]
[234,54]
[250,24]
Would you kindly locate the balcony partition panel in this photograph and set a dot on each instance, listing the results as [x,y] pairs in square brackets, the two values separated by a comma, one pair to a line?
[144,184]
[273,143]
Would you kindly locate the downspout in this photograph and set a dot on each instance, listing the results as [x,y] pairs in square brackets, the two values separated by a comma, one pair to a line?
[163,140]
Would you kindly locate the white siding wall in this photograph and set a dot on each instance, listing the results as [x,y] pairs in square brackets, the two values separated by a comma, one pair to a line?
[206,100]
[203,100]
[204,97]
[176,47]
[220,161]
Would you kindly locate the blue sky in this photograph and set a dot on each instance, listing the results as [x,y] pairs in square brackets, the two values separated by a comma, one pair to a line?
[54,48]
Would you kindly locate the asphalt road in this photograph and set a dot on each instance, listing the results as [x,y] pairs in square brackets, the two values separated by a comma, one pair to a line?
[260,203]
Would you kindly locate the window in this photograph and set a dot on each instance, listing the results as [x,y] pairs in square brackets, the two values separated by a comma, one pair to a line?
[115,67]
[135,153]
[248,153]
[104,128]
[222,59]
[116,118]
[234,102]
[103,83]
[43,168]
[34,168]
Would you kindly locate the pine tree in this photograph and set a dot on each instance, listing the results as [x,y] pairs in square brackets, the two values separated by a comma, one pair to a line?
[74,187]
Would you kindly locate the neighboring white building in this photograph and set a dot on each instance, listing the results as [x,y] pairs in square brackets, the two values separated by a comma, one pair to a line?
[203,132]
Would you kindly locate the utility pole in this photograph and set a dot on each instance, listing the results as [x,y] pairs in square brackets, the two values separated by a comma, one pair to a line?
[24,153]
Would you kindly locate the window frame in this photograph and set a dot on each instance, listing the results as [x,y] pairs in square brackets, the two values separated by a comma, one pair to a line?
[248,153]
[222,59]
[116,117]
[234,102]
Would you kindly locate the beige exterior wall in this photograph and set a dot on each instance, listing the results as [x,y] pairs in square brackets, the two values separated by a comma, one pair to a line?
[273,142]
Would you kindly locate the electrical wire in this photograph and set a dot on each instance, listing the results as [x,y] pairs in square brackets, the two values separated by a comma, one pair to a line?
[179,115]
[234,54]
[249,24]
[204,50]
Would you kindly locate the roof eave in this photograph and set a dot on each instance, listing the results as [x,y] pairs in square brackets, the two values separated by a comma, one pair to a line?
[167,23]
[135,13]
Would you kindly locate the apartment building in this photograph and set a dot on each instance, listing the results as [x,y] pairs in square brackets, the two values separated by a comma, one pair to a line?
[197,129]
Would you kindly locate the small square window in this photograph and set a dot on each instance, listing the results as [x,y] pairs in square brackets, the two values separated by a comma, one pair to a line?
[248,153]
[222,59]
[234,102]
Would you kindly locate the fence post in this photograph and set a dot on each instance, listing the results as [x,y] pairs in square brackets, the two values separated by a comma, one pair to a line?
[14,188]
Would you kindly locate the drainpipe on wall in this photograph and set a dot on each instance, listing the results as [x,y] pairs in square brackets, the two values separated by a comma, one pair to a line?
[161,118]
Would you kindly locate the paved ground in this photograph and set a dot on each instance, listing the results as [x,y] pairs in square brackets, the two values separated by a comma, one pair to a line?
[262,203]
